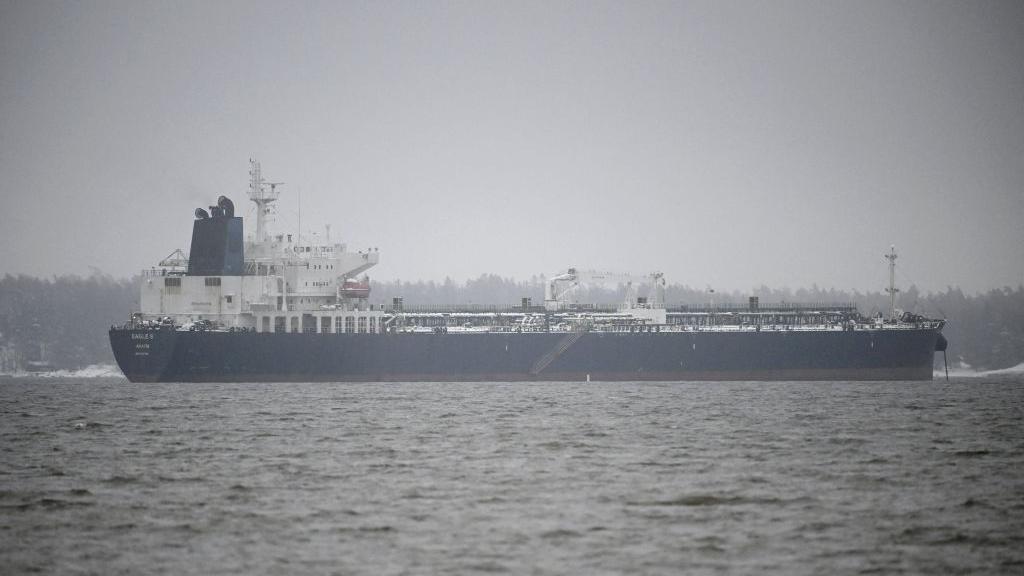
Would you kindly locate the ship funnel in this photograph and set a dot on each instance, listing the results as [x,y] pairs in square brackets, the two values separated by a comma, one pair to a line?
[217,248]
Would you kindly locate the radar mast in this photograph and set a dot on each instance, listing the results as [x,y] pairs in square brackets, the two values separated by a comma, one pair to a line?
[262,193]
[892,289]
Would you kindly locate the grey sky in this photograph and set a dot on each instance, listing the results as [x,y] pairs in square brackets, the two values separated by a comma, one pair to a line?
[726,144]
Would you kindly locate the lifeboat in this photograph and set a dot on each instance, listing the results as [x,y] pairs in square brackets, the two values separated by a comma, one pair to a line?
[353,288]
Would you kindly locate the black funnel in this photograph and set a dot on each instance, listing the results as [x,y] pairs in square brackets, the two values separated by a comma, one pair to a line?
[217,242]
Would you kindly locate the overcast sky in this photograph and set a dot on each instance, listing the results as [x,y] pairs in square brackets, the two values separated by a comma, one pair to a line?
[728,144]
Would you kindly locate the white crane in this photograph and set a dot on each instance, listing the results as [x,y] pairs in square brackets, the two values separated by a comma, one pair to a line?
[559,289]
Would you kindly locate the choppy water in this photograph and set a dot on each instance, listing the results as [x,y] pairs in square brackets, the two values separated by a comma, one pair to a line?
[106,477]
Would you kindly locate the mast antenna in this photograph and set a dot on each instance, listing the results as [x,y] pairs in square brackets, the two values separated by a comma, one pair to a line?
[263,194]
[892,289]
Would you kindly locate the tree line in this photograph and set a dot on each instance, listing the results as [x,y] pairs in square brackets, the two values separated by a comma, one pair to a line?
[62,321]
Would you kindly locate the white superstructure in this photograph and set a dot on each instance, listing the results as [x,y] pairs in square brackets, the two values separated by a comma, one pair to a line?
[289,284]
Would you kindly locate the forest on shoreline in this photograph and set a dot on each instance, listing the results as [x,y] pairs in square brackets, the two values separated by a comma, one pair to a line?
[63,321]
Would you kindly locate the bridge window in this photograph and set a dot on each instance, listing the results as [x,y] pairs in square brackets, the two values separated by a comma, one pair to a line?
[214,281]
[172,281]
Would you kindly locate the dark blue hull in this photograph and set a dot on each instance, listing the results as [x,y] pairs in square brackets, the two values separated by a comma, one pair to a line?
[175,356]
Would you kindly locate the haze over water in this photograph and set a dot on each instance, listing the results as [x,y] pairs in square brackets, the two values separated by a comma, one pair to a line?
[726,144]
[101,476]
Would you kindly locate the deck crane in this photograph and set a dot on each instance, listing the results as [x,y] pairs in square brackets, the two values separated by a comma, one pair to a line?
[559,289]
[177,261]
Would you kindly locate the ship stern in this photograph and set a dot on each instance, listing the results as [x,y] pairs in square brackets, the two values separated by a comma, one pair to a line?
[143,355]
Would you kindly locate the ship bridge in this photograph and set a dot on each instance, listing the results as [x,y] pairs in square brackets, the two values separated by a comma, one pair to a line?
[266,281]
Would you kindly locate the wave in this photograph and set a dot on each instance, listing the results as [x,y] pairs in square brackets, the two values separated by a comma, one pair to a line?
[972,373]
[91,371]
[1018,369]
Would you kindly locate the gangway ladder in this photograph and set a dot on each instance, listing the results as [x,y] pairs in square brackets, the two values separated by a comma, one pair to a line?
[564,344]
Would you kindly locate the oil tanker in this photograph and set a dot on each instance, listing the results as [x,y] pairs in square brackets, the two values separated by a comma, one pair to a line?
[279,307]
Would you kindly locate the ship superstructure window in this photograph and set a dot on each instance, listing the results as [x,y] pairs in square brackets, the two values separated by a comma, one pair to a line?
[309,323]
[172,282]
[213,281]
[350,324]
[362,324]
[339,324]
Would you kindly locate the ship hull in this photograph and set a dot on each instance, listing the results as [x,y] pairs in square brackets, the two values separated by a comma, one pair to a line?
[209,356]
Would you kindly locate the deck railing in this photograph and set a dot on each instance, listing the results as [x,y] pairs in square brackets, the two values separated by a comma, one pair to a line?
[724,308]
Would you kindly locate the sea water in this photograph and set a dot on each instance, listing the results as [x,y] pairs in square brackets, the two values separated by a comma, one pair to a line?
[100,476]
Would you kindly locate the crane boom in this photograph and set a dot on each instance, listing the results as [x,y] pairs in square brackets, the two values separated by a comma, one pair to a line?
[560,288]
